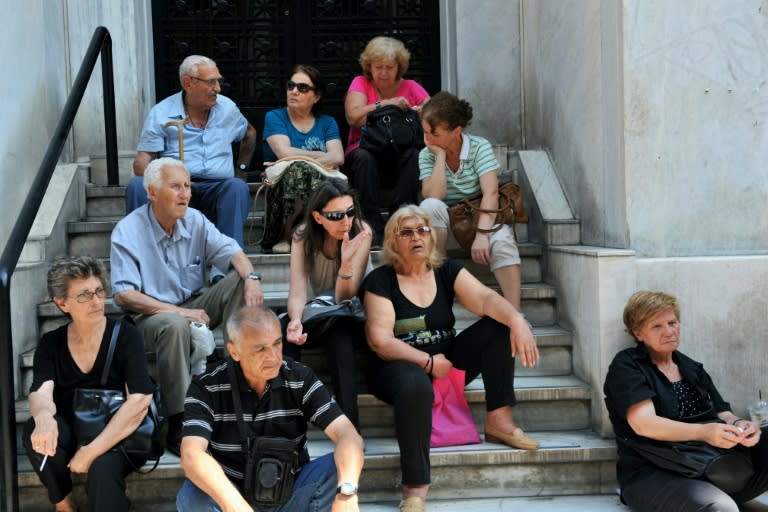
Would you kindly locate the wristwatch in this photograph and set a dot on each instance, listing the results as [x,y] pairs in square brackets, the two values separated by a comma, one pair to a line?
[254,276]
[242,167]
[347,489]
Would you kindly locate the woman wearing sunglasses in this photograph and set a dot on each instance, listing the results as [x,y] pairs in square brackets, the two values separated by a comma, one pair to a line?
[410,327]
[297,130]
[330,255]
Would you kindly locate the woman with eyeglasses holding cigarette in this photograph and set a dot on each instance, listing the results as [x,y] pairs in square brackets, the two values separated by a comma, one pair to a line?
[73,356]
[298,129]
[330,255]
[411,329]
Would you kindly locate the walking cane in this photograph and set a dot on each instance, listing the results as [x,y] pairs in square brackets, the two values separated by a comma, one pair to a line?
[180,129]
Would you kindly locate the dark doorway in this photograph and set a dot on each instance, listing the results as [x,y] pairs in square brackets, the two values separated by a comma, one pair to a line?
[256,43]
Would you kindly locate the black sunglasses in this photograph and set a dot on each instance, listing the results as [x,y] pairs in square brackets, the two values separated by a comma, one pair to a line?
[302,87]
[337,216]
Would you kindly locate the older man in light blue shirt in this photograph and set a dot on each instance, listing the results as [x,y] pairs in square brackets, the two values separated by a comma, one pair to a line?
[158,260]
[209,124]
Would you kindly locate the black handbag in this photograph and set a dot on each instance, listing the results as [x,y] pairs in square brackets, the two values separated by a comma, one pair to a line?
[727,468]
[94,408]
[320,313]
[391,128]
[271,463]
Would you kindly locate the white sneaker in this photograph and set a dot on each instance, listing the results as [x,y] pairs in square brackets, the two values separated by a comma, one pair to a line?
[281,248]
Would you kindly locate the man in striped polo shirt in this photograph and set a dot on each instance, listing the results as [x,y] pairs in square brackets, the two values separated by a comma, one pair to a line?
[278,398]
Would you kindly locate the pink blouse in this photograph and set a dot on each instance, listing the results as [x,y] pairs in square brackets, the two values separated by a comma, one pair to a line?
[409,89]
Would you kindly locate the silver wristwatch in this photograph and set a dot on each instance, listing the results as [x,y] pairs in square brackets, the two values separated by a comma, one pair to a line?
[347,489]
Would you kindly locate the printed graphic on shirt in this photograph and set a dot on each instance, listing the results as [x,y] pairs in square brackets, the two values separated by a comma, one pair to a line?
[314,144]
[414,332]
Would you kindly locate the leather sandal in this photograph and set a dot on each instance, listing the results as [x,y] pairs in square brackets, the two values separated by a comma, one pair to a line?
[517,439]
[413,504]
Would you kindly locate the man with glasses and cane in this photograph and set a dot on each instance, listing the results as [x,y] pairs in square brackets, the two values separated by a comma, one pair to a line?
[198,126]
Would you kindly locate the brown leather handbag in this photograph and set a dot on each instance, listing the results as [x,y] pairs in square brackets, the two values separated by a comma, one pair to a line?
[463,216]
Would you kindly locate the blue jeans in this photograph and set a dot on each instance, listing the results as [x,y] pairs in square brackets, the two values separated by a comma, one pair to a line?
[313,491]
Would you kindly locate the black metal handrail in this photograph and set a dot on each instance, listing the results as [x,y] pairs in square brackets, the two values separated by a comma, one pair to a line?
[101,43]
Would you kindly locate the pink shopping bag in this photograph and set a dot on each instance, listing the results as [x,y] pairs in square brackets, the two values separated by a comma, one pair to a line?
[452,422]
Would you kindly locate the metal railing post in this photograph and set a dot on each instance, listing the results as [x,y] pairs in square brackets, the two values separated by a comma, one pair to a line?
[9,488]
[110,120]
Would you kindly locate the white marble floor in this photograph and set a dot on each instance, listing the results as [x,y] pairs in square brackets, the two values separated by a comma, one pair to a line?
[591,503]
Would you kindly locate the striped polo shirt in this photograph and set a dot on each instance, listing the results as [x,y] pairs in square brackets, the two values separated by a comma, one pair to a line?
[291,400]
[475,159]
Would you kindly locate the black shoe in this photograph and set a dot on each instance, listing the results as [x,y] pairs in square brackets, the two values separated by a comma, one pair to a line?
[173,437]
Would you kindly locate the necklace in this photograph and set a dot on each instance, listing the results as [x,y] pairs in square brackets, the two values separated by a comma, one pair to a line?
[197,124]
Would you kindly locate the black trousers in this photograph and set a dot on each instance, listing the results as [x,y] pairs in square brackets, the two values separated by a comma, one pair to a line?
[664,491]
[482,348]
[106,476]
[341,340]
[369,173]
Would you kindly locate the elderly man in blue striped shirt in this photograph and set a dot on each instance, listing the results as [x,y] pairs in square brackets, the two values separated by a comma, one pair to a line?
[279,397]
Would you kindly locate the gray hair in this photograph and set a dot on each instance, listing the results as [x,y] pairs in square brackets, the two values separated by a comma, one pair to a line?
[255,316]
[64,270]
[189,66]
[153,174]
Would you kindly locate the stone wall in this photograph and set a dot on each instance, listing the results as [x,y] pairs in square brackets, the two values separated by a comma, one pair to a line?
[696,106]
[487,67]
[34,90]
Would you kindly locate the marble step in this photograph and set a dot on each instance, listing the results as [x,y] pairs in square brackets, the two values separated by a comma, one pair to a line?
[544,403]
[537,304]
[555,348]
[570,462]
[92,237]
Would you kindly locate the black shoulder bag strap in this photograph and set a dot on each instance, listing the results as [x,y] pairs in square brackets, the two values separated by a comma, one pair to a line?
[234,382]
[152,406]
[110,352]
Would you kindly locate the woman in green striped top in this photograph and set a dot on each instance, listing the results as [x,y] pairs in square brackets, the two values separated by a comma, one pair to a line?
[455,165]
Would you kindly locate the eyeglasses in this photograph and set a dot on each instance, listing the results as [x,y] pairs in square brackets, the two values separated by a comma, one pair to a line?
[210,82]
[83,297]
[337,216]
[419,232]
[302,87]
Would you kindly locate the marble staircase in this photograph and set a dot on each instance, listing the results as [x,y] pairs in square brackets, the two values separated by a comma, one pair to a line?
[553,403]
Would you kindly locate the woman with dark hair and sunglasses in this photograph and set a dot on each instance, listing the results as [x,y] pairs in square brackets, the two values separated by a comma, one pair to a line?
[411,328]
[73,356]
[297,130]
[330,255]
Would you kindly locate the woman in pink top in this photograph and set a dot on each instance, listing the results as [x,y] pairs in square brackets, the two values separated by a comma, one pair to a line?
[384,61]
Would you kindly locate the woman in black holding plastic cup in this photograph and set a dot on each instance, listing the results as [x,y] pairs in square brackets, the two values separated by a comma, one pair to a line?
[654,393]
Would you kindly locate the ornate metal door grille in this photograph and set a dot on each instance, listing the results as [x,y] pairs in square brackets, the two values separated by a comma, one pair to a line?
[256,42]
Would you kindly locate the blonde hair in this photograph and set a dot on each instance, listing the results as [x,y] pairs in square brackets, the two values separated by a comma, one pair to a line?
[385,48]
[389,254]
[644,305]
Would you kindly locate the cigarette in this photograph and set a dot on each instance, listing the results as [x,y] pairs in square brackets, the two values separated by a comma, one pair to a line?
[42,465]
